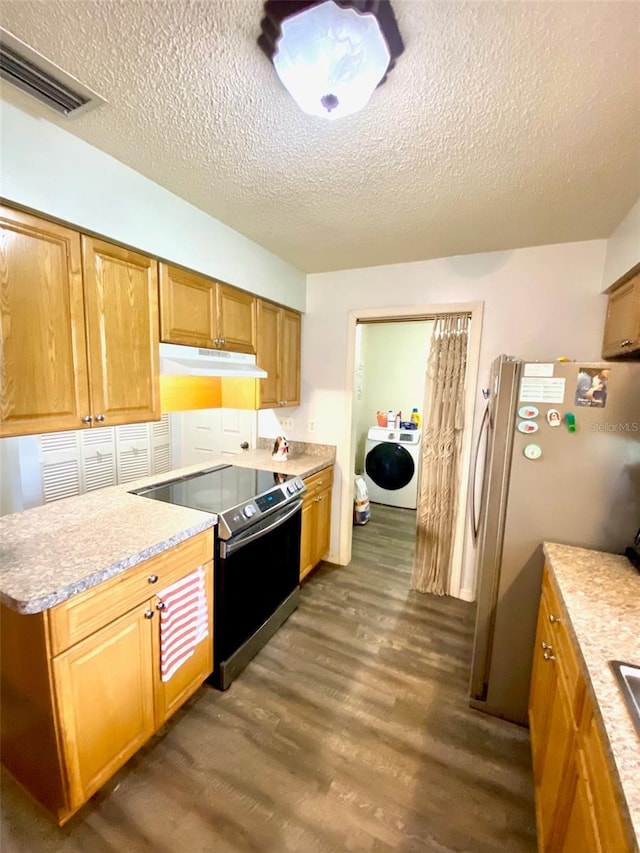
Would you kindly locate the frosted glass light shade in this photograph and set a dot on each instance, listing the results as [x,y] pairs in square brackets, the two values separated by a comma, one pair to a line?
[331,59]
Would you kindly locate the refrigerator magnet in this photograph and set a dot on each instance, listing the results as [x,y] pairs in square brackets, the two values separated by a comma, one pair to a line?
[527,426]
[533,451]
[528,412]
[553,417]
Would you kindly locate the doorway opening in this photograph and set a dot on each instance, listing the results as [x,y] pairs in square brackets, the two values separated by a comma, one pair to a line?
[460,585]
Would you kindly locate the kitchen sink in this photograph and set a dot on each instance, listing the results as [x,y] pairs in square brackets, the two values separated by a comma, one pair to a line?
[628,677]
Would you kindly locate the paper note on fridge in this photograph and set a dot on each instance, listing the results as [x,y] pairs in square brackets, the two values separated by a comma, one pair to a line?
[539,389]
[537,369]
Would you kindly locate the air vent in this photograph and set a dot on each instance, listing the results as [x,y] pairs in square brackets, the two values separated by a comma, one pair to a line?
[37,76]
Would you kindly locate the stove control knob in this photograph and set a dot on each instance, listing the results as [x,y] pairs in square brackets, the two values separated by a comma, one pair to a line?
[249,511]
[291,488]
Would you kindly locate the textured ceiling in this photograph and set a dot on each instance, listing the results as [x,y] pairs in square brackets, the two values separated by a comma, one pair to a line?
[503,124]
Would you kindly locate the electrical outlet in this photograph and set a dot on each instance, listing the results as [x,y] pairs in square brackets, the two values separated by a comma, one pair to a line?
[312,426]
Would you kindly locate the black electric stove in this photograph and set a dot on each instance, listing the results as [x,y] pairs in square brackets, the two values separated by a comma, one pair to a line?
[256,555]
[239,496]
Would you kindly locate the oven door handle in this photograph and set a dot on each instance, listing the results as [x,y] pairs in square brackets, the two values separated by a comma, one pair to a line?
[229,546]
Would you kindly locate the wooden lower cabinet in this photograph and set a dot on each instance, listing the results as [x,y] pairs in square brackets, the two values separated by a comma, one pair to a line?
[316,520]
[104,694]
[98,700]
[577,809]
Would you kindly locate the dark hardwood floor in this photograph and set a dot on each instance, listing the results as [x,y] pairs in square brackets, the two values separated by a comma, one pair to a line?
[350,731]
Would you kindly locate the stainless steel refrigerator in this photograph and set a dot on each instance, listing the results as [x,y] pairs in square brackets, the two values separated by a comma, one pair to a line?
[561,446]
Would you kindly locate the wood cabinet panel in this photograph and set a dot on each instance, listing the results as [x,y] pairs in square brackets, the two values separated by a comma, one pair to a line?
[576,804]
[236,319]
[82,615]
[44,381]
[290,333]
[104,688]
[622,324]
[199,311]
[187,307]
[316,520]
[268,353]
[278,352]
[121,306]
[173,693]
[78,715]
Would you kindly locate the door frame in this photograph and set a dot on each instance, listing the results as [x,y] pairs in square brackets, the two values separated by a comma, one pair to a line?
[346,452]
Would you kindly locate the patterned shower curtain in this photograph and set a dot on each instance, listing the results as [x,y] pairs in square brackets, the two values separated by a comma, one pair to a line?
[441,441]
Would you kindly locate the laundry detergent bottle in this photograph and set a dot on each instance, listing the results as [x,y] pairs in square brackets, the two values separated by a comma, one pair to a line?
[415,417]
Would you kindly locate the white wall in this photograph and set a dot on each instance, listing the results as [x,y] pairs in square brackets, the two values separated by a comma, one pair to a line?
[48,169]
[623,247]
[539,303]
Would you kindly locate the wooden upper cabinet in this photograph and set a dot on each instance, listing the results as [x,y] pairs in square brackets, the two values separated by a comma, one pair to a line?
[278,352]
[268,353]
[290,358]
[199,311]
[121,305]
[187,308]
[43,379]
[622,326]
[236,319]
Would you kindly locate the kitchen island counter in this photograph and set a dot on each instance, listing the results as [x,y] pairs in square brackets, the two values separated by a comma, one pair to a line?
[52,552]
[601,594]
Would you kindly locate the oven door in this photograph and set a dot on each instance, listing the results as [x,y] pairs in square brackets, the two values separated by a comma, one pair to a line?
[257,585]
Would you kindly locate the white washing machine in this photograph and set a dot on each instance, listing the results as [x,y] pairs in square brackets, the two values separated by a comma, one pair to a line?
[392,466]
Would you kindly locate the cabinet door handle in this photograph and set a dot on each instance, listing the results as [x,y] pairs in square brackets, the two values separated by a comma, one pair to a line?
[100,418]
[161,605]
[548,656]
[87,419]
[153,578]
[547,646]
[148,614]
[553,618]
[626,343]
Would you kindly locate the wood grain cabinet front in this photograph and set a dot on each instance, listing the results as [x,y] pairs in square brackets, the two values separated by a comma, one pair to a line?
[576,805]
[622,325]
[99,694]
[196,310]
[278,352]
[79,330]
[316,520]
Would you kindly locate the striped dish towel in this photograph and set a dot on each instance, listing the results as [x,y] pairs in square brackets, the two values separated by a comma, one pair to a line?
[183,621]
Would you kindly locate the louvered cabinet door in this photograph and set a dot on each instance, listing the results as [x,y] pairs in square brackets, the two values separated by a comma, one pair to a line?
[98,458]
[161,445]
[43,364]
[60,465]
[121,306]
[133,452]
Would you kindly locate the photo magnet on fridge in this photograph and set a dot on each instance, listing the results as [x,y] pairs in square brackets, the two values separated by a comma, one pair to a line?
[592,386]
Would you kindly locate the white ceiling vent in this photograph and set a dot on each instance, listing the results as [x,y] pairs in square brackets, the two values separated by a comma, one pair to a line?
[37,76]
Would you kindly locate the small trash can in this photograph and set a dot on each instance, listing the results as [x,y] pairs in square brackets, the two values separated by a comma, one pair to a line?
[361,509]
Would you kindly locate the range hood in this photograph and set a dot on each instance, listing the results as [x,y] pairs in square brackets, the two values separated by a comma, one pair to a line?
[177,360]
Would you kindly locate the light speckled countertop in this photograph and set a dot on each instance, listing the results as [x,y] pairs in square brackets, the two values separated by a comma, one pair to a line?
[51,552]
[601,593]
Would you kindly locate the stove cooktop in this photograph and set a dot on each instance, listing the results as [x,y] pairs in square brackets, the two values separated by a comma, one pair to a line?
[240,496]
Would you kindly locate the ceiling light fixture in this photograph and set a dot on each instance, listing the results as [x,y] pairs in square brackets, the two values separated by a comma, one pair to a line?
[331,55]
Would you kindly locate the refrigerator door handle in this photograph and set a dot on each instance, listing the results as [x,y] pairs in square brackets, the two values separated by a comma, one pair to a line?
[475,516]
